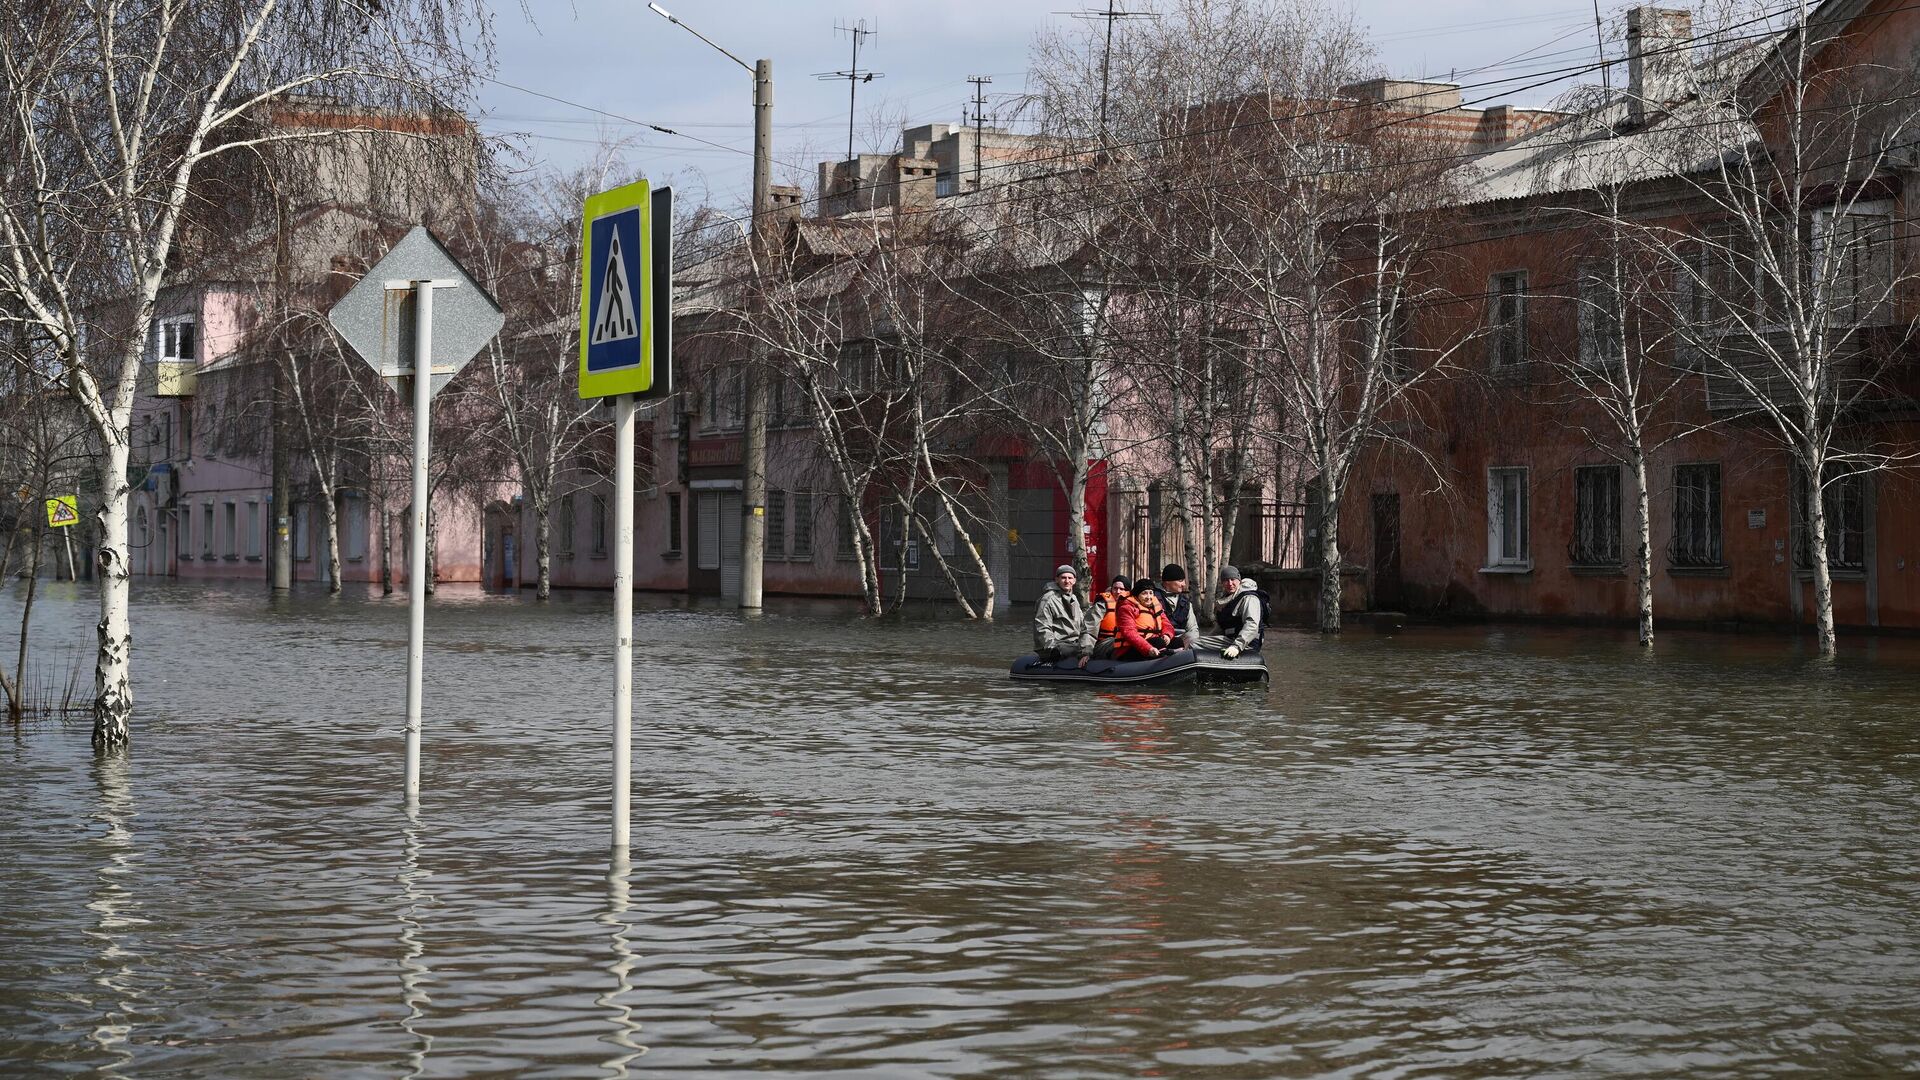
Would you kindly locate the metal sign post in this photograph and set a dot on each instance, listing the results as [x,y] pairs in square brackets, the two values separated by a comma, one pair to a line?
[368,317]
[626,322]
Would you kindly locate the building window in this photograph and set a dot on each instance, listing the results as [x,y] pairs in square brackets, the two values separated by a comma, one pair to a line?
[1855,255]
[946,535]
[302,531]
[1696,517]
[1395,335]
[564,520]
[353,521]
[1600,327]
[801,526]
[253,529]
[1509,542]
[776,524]
[206,531]
[1596,516]
[1844,498]
[597,524]
[1507,346]
[673,523]
[177,340]
[854,366]
[230,534]
[843,544]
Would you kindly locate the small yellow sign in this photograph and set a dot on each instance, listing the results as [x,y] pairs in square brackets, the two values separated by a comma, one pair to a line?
[63,511]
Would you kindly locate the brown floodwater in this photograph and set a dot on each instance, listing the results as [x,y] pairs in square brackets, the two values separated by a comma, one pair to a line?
[860,851]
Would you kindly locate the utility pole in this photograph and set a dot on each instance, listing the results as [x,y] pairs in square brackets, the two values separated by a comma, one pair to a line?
[753,451]
[979,119]
[753,535]
[280,504]
[854,76]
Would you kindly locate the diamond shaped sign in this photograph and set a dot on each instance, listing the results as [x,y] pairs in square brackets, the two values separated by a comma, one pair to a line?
[376,315]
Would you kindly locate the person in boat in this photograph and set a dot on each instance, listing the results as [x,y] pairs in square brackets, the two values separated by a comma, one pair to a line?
[1239,615]
[1106,617]
[1060,621]
[1178,604]
[1142,629]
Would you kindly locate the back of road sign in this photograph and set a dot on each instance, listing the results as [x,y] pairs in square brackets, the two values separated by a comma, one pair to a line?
[616,293]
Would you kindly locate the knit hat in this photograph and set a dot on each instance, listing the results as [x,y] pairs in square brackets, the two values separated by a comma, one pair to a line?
[1145,584]
[1173,571]
[1122,581]
[1229,573]
[1064,568]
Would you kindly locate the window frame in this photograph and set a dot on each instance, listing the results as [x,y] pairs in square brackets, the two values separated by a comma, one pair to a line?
[1713,519]
[1578,555]
[1499,559]
[1837,489]
[1508,330]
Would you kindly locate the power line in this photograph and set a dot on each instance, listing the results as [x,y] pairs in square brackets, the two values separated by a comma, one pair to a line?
[1559,74]
[1111,15]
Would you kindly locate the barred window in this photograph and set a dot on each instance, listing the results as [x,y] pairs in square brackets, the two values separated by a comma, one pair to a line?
[1844,498]
[801,527]
[1600,326]
[1596,516]
[1696,517]
[776,524]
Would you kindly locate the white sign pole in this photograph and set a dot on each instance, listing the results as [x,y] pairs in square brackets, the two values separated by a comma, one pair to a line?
[417,556]
[623,425]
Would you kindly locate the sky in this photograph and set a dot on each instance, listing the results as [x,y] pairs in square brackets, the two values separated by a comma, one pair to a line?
[577,73]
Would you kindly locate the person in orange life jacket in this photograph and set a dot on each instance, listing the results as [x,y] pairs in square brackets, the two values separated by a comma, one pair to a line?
[1142,627]
[1106,616]
[1173,596]
[1239,616]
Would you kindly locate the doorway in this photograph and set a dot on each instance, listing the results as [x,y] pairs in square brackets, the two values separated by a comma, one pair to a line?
[1386,551]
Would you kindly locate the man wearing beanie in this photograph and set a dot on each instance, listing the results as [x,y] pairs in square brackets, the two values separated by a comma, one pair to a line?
[1060,630]
[1239,615]
[1179,605]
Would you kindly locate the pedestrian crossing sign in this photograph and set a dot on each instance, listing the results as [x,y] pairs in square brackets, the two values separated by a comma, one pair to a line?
[63,511]
[616,293]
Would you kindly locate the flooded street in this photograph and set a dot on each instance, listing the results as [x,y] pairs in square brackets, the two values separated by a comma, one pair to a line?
[859,850]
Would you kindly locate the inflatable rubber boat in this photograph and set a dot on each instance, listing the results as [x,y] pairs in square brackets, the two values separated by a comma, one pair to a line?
[1185,666]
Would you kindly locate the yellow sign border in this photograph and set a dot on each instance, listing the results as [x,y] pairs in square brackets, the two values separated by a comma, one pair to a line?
[639,378]
[72,503]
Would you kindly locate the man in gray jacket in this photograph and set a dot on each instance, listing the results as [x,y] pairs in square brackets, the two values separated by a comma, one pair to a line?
[1240,615]
[1060,621]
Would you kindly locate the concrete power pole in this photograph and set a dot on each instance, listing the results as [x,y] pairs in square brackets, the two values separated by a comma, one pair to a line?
[753,532]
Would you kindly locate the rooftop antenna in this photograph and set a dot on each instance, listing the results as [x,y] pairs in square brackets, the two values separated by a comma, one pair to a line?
[1600,44]
[1111,14]
[854,76]
[979,118]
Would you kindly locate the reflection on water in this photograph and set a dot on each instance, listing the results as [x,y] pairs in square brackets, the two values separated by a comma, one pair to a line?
[860,851]
[115,906]
[414,974]
[619,902]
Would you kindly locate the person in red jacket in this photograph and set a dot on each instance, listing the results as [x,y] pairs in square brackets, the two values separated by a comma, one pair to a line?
[1138,633]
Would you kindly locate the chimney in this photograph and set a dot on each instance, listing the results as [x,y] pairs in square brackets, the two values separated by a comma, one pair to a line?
[786,202]
[915,180]
[1659,65]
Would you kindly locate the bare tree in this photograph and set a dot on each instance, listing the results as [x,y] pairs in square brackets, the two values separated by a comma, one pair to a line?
[112,112]
[1797,275]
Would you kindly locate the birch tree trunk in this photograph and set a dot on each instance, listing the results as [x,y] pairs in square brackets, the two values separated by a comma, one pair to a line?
[113,664]
[543,548]
[1816,512]
[330,515]
[1643,557]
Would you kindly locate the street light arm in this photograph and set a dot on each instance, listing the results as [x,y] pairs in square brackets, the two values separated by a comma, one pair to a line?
[670,17]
